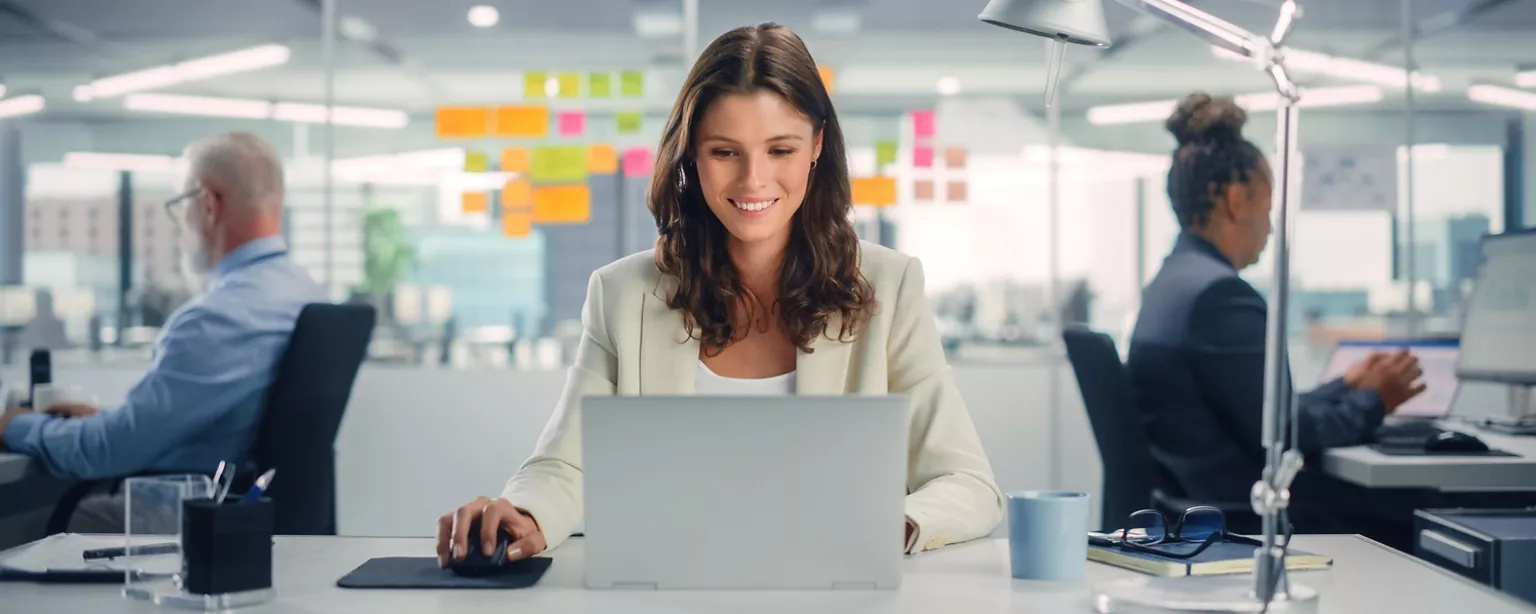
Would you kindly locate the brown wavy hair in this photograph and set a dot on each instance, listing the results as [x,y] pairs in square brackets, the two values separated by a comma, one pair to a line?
[820,273]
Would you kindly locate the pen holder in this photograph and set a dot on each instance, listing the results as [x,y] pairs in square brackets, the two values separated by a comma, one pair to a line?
[226,548]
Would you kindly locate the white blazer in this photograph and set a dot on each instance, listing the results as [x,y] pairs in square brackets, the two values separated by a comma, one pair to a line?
[632,344]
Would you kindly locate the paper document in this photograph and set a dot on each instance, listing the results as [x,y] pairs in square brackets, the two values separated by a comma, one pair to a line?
[64,552]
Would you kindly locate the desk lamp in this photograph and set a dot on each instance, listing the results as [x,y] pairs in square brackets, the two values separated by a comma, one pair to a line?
[1079,22]
[1269,590]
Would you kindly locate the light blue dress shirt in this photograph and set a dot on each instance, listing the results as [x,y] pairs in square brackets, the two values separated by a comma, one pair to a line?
[201,400]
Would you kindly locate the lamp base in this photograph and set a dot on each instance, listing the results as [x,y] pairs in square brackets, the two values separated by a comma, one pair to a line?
[1195,594]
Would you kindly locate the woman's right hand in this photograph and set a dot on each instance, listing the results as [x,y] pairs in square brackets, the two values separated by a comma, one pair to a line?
[454,540]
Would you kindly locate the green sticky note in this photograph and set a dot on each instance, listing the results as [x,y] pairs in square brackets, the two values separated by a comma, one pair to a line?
[476,162]
[533,83]
[885,153]
[600,85]
[559,164]
[632,83]
[570,84]
[629,122]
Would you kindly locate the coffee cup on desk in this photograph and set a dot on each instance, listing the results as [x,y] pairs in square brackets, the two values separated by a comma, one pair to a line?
[45,396]
[1048,534]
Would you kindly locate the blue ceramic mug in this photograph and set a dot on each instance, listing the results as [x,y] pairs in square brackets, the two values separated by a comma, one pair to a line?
[1048,534]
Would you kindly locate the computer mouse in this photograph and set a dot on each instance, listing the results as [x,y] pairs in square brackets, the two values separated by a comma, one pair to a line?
[475,561]
[1453,441]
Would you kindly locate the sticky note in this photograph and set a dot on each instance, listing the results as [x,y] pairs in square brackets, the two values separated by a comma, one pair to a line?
[515,160]
[954,157]
[476,202]
[563,164]
[562,204]
[827,77]
[522,121]
[637,162]
[533,84]
[629,122]
[517,224]
[922,124]
[885,152]
[463,122]
[922,189]
[476,162]
[602,160]
[572,123]
[955,192]
[632,83]
[922,156]
[600,85]
[570,84]
[877,191]
[517,193]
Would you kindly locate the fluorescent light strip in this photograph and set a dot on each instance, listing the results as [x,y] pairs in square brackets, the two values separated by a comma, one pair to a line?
[1159,110]
[1345,68]
[21,105]
[244,60]
[122,162]
[260,109]
[1526,78]
[1502,96]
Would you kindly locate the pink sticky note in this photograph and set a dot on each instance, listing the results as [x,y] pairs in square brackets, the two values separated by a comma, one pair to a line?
[637,162]
[922,156]
[922,124]
[572,123]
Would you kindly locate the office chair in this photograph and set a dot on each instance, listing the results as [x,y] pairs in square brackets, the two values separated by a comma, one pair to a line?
[1132,479]
[301,414]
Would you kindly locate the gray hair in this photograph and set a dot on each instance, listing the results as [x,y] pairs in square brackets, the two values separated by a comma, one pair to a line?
[243,167]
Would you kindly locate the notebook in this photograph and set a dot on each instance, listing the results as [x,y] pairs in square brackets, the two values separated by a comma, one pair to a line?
[1221,558]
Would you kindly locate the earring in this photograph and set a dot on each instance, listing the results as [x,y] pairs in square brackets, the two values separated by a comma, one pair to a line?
[682,178]
[813,165]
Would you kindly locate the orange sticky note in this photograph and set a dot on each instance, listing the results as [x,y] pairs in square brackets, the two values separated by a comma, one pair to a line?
[515,160]
[877,191]
[516,224]
[463,122]
[522,121]
[562,204]
[922,189]
[827,76]
[602,160]
[517,193]
[955,192]
[476,202]
[954,157]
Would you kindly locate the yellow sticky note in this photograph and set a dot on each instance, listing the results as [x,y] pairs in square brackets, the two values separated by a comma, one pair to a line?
[559,164]
[602,160]
[570,84]
[877,191]
[515,160]
[522,121]
[827,77]
[476,162]
[516,224]
[562,204]
[629,122]
[476,202]
[600,85]
[632,83]
[517,193]
[463,122]
[533,83]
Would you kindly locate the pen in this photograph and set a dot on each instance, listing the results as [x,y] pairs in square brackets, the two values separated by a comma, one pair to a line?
[220,485]
[254,494]
[145,550]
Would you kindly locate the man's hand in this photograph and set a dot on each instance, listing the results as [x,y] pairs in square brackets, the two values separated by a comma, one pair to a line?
[70,410]
[1395,378]
[1356,374]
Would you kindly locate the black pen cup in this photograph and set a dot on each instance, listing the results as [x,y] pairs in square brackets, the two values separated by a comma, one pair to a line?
[226,548]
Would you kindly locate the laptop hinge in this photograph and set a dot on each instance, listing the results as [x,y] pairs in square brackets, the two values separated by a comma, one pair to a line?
[855,585]
[635,586]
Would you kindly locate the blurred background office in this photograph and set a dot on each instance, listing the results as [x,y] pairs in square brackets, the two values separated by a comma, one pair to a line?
[483,157]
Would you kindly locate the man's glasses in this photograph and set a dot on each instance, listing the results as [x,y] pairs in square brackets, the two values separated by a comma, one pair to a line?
[1150,531]
[176,206]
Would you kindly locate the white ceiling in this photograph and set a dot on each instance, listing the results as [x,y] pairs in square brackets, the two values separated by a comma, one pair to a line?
[892,63]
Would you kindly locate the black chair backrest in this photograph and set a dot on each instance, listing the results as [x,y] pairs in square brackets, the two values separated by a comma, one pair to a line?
[1128,467]
[303,411]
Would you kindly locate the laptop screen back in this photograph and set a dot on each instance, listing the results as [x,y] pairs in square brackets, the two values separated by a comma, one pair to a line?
[1437,358]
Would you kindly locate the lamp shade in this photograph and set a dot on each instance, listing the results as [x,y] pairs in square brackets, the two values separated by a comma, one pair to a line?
[1078,21]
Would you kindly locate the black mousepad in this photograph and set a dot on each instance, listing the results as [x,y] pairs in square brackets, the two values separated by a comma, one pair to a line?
[423,572]
[1419,451]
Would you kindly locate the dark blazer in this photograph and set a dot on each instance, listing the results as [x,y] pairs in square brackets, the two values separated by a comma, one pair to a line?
[1197,373]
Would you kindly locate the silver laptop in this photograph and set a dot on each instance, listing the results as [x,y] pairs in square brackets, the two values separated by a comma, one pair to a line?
[709,492]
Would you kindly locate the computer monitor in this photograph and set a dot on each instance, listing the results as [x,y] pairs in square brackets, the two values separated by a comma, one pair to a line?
[1498,335]
[1437,358]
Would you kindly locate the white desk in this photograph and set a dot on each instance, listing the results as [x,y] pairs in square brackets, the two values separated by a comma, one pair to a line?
[1366,467]
[971,578]
[14,467]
